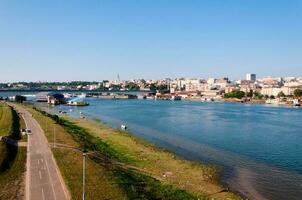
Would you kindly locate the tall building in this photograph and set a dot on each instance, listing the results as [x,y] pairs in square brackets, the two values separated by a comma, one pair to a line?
[251,77]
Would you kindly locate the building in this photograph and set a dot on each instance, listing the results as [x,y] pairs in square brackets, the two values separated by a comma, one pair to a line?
[56,98]
[251,77]
[276,90]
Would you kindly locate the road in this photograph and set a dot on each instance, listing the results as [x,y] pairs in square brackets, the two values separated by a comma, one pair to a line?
[43,179]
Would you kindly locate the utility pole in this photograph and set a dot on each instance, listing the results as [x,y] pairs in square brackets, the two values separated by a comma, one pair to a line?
[84,163]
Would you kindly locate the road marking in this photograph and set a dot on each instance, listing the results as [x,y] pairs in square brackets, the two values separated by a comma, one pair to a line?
[53,189]
[36,146]
[43,196]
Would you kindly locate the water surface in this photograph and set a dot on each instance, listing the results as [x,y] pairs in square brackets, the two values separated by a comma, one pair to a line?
[258,146]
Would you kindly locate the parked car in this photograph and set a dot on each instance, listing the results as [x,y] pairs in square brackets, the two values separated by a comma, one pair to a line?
[28,131]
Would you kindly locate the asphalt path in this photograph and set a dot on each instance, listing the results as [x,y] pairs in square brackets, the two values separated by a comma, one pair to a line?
[43,178]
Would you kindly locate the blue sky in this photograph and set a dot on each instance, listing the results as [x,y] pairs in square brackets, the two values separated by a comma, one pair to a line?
[96,40]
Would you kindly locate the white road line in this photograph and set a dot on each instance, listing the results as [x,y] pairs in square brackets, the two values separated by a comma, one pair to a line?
[38,162]
[40,174]
[53,189]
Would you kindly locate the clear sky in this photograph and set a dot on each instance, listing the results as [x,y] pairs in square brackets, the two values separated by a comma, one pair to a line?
[95,40]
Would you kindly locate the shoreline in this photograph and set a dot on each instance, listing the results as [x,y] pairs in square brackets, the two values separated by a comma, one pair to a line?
[158,161]
[216,174]
[246,189]
[91,118]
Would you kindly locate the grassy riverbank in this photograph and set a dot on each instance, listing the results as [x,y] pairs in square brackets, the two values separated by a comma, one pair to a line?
[12,158]
[125,167]
[198,179]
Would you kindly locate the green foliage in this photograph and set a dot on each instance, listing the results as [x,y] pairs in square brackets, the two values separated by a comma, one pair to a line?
[250,94]
[136,185]
[15,132]
[11,150]
[281,94]
[160,88]
[235,94]
[115,87]
[87,140]
[257,95]
[20,99]
[298,93]
[140,186]
[132,86]
[272,97]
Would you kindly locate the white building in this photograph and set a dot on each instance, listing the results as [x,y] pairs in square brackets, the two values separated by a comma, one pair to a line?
[251,77]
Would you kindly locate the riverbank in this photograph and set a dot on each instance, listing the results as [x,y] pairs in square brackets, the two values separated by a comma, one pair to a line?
[200,179]
[162,174]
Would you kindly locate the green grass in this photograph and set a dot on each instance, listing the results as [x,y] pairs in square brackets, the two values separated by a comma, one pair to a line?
[99,183]
[12,180]
[133,184]
[141,186]
[5,119]
[197,178]
[12,158]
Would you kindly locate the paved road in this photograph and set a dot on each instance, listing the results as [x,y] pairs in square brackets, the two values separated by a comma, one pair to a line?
[43,179]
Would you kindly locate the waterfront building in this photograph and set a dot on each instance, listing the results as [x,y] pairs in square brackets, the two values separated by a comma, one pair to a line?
[248,87]
[276,90]
[55,98]
[231,88]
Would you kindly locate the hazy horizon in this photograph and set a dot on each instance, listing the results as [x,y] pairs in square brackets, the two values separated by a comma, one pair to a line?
[97,40]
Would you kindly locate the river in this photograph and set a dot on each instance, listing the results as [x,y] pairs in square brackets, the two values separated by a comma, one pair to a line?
[258,146]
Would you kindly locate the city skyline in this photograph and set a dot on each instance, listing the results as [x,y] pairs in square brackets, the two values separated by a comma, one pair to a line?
[61,41]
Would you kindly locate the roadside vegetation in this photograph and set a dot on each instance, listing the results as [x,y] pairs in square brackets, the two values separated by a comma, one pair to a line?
[12,157]
[235,94]
[124,167]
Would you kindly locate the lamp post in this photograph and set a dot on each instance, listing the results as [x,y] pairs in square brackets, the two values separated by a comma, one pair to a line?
[84,171]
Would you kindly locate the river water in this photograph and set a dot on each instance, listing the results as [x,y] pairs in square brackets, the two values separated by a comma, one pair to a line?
[259,147]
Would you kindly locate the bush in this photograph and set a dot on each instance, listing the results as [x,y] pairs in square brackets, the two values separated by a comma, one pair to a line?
[281,94]
[298,93]
[20,99]
[235,94]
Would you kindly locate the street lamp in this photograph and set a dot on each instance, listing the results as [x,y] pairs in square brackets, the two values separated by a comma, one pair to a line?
[84,170]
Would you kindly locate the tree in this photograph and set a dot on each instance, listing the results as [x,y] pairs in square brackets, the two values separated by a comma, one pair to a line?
[272,97]
[20,99]
[162,88]
[250,93]
[257,95]
[132,86]
[298,93]
[235,94]
[281,94]
[152,87]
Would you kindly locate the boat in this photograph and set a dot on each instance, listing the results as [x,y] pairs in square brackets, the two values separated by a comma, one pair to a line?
[175,98]
[77,103]
[83,95]
[296,102]
[123,127]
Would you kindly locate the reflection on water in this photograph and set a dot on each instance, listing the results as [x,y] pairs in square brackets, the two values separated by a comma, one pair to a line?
[259,146]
